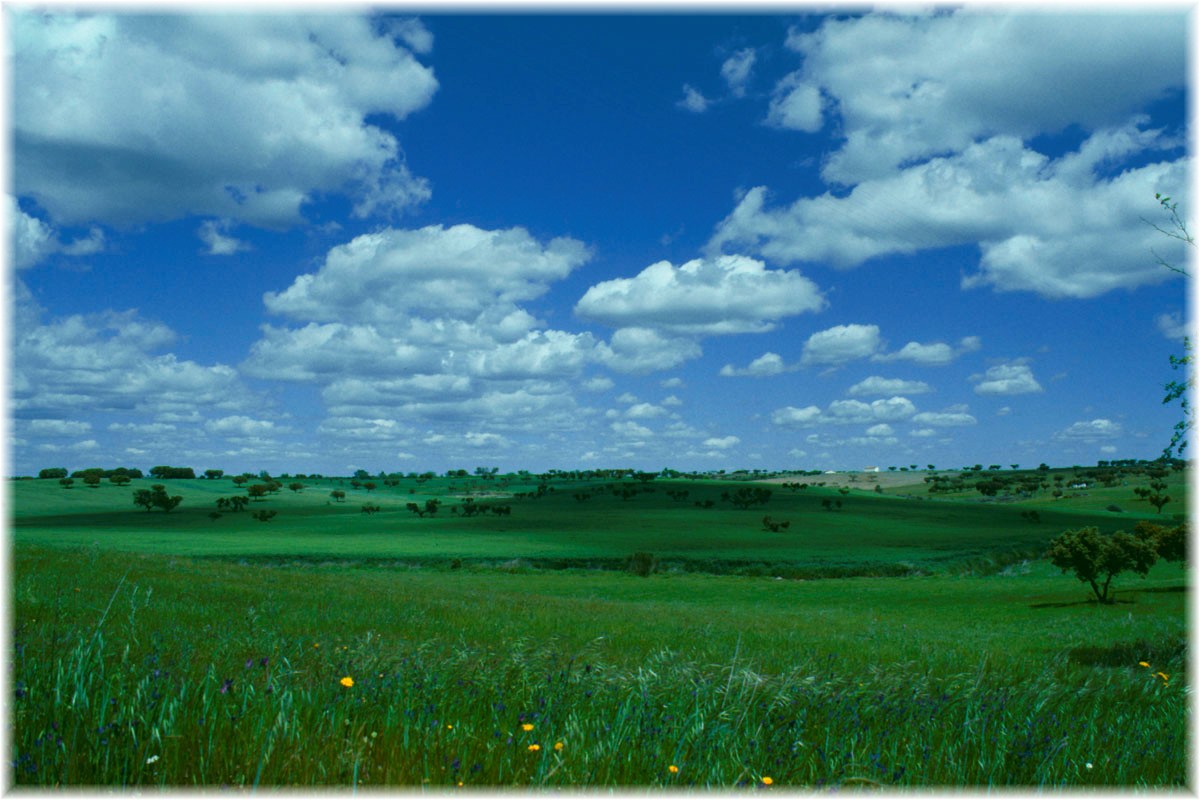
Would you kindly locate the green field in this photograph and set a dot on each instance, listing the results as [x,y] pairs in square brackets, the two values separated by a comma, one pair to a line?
[900,640]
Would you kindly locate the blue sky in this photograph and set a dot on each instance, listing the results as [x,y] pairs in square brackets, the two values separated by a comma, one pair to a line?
[409,242]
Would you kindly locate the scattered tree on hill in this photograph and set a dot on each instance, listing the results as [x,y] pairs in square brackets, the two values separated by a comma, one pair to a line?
[53,472]
[258,491]
[1096,559]
[1155,495]
[66,483]
[430,508]
[369,509]
[119,479]
[773,526]
[747,496]
[92,480]
[338,495]
[238,480]
[172,472]
[156,497]
[213,474]
[235,503]
[296,486]
[989,488]
[263,515]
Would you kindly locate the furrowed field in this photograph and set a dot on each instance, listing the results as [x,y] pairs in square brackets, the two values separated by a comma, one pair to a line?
[881,638]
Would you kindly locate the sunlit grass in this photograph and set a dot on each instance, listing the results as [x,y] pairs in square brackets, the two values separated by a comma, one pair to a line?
[158,671]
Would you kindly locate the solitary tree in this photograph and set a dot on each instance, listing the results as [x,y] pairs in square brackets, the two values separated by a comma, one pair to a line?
[1097,559]
[156,497]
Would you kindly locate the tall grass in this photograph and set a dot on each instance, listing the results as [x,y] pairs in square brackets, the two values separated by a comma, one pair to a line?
[161,672]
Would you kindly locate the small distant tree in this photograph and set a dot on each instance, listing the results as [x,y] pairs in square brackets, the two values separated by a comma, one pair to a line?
[213,474]
[263,515]
[66,483]
[92,481]
[369,486]
[1096,559]
[119,479]
[338,495]
[53,472]
[295,486]
[258,491]
[238,480]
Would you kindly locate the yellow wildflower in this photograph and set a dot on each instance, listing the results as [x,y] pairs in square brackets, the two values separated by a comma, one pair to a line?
[672,769]
[558,745]
[533,748]
[347,681]
[767,780]
[1143,664]
[1163,675]
[526,727]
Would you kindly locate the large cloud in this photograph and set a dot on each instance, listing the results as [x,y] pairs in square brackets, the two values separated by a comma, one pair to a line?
[128,118]
[110,361]
[426,327]
[454,272]
[1060,228]
[906,87]
[938,110]
[727,294]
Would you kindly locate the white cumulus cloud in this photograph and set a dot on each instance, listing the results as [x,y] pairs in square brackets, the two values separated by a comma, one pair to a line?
[876,385]
[704,297]
[765,365]
[1091,430]
[116,115]
[841,343]
[1006,379]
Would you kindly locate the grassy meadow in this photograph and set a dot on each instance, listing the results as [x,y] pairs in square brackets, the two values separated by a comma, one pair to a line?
[901,640]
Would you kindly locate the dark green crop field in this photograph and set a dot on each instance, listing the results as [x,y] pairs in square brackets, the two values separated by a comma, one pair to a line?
[891,639]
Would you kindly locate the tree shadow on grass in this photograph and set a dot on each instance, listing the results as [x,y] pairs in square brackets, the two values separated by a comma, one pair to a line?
[1159,589]
[1091,602]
